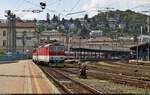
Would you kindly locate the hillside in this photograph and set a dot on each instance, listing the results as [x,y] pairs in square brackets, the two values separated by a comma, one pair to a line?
[117,23]
[132,22]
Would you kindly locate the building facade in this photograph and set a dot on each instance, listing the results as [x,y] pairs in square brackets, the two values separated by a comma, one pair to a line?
[96,33]
[25,37]
[52,35]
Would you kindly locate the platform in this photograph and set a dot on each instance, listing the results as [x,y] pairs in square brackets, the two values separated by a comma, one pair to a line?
[24,77]
[138,61]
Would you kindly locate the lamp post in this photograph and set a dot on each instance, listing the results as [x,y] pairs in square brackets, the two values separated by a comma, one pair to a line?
[137,50]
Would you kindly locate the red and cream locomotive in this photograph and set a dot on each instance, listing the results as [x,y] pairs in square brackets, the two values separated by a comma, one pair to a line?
[51,54]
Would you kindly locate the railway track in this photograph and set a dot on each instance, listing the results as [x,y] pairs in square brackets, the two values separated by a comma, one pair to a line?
[131,66]
[121,79]
[138,73]
[67,84]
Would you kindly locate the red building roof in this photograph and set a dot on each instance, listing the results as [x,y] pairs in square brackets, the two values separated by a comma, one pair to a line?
[18,25]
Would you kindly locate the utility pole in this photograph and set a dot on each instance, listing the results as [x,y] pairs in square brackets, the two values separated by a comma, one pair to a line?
[149,35]
[137,50]
[38,34]
[11,31]
[141,34]
[80,47]
[24,41]
[107,12]
[68,38]
[107,17]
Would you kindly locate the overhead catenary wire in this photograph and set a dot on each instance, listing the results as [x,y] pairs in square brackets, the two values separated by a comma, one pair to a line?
[58,4]
[31,3]
[52,3]
[75,5]
[16,4]
[83,11]
[142,5]
[46,10]
[38,6]
[75,13]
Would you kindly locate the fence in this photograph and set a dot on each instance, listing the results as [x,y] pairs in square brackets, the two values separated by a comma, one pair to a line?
[12,57]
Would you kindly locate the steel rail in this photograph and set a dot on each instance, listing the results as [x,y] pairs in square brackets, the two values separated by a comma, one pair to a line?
[81,84]
[57,82]
[88,88]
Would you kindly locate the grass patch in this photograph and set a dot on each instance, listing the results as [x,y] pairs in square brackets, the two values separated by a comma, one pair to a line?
[87,62]
[104,63]
[136,91]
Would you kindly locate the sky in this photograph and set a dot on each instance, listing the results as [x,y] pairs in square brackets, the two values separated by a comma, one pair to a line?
[64,7]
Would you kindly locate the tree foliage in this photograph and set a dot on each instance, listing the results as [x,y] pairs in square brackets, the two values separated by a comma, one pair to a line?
[131,20]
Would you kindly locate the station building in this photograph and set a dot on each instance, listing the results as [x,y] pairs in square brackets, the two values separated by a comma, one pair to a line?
[52,35]
[25,36]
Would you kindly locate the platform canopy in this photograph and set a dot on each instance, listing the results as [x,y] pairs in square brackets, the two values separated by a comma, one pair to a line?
[98,50]
[143,46]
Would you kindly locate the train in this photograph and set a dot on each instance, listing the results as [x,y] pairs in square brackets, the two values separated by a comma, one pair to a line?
[50,54]
[84,55]
[54,54]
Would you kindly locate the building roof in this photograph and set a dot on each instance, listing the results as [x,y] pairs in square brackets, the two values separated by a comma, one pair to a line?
[99,39]
[18,25]
[98,50]
[52,33]
[140,46]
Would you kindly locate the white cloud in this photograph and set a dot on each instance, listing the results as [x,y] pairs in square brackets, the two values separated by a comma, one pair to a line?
[116,4]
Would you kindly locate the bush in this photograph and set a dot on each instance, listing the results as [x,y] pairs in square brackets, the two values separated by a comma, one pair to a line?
[3,53]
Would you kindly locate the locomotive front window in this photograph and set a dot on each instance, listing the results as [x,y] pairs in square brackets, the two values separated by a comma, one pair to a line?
[57,48]
[53,48]
[60,48]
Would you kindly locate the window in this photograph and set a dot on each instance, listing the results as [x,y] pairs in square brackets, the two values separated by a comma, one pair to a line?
[60,48]
[56,48]
[52,48]
[4,43]
[4,33]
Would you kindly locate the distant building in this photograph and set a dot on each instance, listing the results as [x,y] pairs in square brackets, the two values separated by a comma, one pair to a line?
[25,36]
[3,20]
[105,43]
[82,20]
[76,41]
[143,38]
[53,35]
[112,22]
[128,38]
[96,33]
[41,22]
[122,25]
[72,26]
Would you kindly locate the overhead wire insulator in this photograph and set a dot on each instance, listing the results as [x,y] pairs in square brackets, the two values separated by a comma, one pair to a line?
[43,5]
